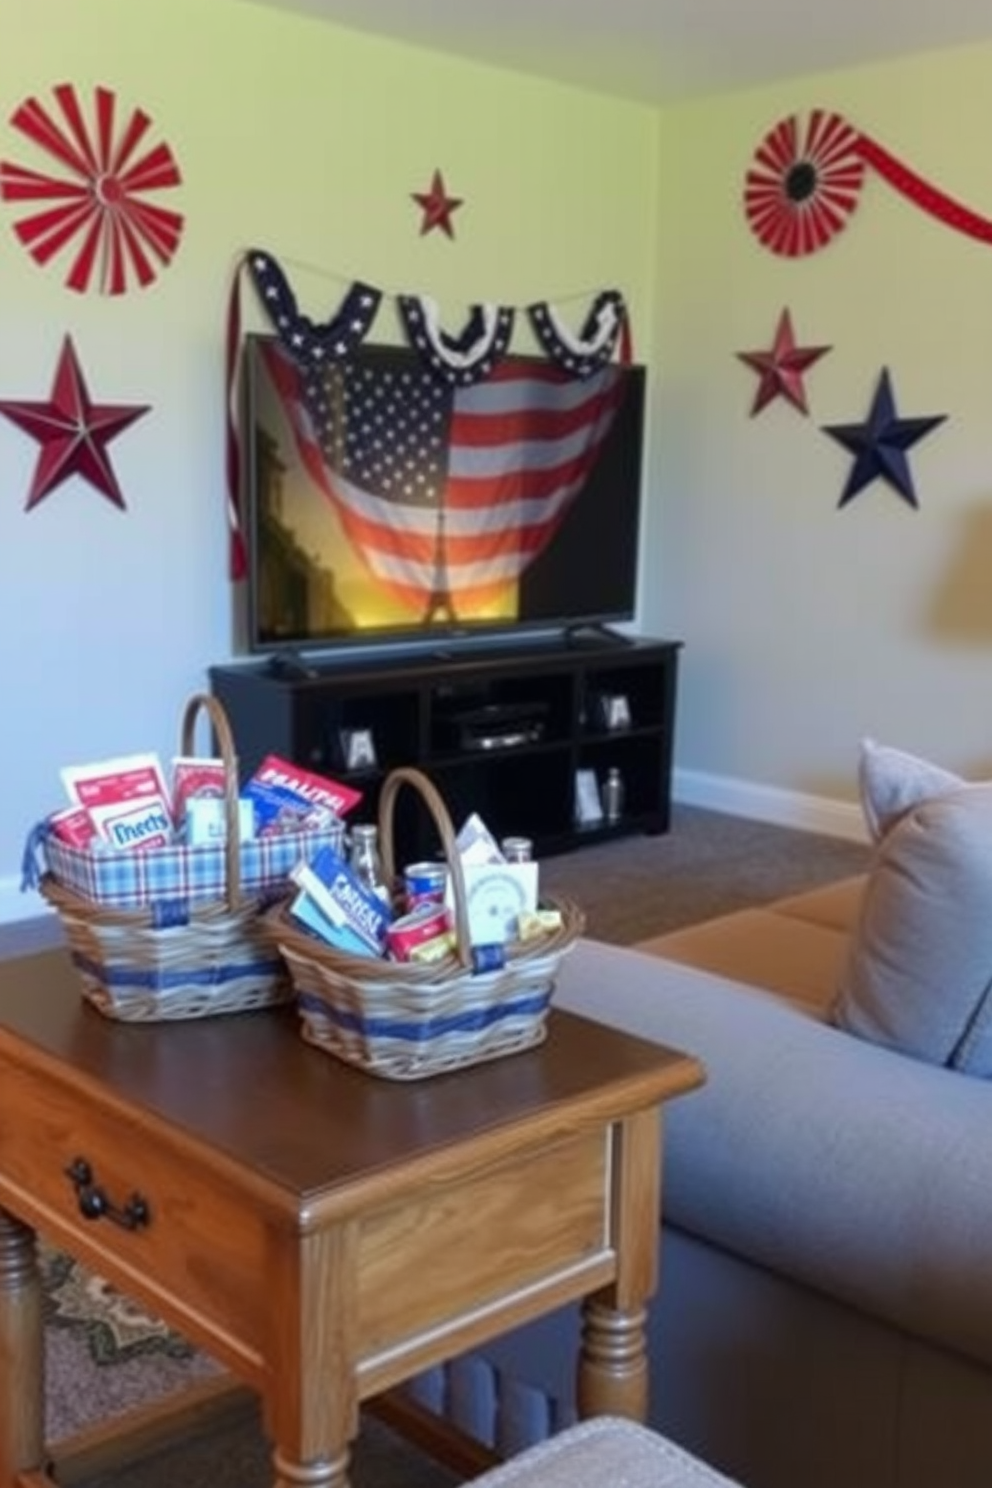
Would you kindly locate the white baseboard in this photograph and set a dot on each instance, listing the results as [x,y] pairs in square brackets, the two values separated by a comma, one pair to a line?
[767,803]
[715,792]
[16,906]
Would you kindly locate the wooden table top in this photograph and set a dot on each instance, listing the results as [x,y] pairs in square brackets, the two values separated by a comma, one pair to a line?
[247,1087]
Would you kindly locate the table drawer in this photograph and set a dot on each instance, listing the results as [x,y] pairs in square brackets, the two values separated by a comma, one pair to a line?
[458,1247]
[200,1244]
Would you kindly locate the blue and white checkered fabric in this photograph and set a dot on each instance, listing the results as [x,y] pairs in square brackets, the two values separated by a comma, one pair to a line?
[194,875]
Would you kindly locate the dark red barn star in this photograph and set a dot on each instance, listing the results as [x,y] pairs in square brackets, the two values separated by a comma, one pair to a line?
[437,206]
[73,432]
[780,369]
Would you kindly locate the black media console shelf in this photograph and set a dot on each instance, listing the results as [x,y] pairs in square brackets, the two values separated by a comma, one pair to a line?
[505,733]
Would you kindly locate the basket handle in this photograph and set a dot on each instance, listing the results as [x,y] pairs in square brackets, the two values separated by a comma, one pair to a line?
[203,702]
[406,775]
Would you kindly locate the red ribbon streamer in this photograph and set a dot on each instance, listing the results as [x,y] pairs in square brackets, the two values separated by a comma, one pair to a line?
[238,560]
[803,185]
[922,194]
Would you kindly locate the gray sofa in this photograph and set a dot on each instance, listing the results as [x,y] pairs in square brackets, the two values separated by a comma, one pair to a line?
[825,1312]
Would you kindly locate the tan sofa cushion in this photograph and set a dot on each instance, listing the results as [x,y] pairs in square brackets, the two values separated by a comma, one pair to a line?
[837,905]
[796,959]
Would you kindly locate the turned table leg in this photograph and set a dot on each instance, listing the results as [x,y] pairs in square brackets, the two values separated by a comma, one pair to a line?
[613,1362]
[311,1406]
[613,1375]
[22,1380]
[323,1474]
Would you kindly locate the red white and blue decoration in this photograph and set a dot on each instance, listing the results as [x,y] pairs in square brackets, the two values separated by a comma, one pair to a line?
[427,487]
[583,353]
[437,207]
[73,432]
[95,210]
[470,358]
[805,182]
[310,342]
[782,367]
[880,444]
[307,340]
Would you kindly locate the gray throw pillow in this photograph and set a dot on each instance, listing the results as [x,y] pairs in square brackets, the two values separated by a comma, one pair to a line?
[892,781]
[919,968]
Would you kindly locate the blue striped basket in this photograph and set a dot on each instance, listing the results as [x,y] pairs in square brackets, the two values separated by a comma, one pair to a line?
[405,1021]
[176,932]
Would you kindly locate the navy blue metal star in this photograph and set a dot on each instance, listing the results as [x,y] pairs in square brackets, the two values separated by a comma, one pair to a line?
[879,445]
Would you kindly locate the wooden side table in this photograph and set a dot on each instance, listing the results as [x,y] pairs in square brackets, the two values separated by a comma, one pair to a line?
[322,1233]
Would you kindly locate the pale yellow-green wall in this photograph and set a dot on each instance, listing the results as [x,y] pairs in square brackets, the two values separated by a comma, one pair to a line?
[305,140]
[807,627]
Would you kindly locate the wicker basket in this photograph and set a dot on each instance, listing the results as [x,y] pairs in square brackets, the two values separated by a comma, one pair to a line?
[174,959]
[405,1020]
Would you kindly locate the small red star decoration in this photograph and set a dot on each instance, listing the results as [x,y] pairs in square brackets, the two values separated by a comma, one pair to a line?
[437,206]
[780,370]
[73,432]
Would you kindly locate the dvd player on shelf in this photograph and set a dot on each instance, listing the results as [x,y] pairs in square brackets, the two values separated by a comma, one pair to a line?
[497,725]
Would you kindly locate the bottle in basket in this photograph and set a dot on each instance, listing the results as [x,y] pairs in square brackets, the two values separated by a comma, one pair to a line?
[364,859]
[517,849]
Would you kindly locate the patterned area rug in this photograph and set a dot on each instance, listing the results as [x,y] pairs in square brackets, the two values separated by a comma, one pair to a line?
[114,1328]
[90,1325]
[104,1355]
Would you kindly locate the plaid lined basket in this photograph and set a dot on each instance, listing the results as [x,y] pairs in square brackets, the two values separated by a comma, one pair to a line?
[179,877]
[175,932]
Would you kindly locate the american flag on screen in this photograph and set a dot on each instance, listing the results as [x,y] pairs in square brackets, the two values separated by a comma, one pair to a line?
[447,493]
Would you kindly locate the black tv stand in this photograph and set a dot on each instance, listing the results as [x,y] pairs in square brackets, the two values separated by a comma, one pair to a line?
[501,733]
[290,663]
[594,635]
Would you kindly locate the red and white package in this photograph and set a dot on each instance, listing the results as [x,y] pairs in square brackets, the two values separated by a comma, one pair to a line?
[194,777]
[73,825]
[126,799]
[285,796]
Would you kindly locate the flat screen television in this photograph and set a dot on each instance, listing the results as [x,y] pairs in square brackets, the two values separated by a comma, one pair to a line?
[384,506]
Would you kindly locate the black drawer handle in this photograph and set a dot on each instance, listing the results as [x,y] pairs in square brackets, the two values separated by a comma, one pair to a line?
[94,1204]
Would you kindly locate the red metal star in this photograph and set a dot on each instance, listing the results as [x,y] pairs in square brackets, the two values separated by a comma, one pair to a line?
[73,432]
[781,369]
[437,206]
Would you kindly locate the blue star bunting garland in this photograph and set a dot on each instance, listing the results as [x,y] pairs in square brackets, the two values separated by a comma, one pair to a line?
[583,354]
[880,444]
[307,340]
[463,359]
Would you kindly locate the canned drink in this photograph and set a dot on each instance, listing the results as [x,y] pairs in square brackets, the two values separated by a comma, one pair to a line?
[422,924]
[517,849]
[424,883]
[488,957]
